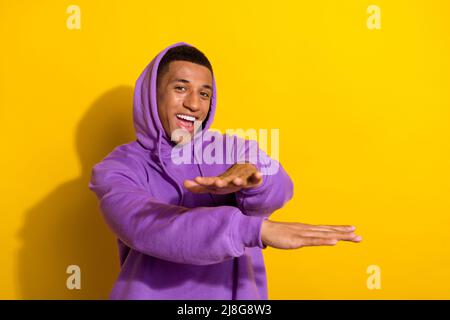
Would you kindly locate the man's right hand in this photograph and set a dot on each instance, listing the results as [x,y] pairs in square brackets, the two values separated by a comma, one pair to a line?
[293,235]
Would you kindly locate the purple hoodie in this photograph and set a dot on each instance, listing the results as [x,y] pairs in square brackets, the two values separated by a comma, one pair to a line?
[174,244]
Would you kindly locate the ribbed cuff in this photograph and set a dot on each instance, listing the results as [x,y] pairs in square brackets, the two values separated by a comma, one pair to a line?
[248,231]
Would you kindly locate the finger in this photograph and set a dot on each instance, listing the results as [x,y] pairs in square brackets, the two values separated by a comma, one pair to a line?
[346,236]
[344,228]
[205,181]
[237,181]
[251,182]
[229,179]
[304,242]
[190,183]
[220,183]
[305,226]
[255,178]
[194,187]
[326,228]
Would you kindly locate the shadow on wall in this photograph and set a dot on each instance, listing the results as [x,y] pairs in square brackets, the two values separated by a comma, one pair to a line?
[66,227]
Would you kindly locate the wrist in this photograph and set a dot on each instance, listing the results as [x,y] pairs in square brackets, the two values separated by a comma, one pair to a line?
[265,227]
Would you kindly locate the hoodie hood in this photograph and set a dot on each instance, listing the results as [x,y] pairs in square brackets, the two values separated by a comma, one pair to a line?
[147,124]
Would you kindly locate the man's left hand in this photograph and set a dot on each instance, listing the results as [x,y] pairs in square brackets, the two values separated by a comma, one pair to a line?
[237,177]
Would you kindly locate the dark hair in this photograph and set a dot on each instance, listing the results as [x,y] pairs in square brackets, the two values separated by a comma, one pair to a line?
[183,53]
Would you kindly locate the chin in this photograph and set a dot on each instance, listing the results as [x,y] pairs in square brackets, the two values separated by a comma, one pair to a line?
[180,133]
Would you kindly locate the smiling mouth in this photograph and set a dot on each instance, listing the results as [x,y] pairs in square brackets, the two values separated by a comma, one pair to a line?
[186,122]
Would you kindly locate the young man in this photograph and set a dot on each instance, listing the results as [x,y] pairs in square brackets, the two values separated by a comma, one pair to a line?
[193,230]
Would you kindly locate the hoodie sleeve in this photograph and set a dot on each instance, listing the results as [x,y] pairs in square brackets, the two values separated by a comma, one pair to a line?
[199,236]
[277,187]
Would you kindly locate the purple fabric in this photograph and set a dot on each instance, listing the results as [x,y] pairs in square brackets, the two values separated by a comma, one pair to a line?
[174,244]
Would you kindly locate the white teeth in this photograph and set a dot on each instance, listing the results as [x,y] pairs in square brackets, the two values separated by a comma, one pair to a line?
[185,117]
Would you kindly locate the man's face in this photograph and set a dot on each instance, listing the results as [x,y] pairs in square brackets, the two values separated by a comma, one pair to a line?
[183,95]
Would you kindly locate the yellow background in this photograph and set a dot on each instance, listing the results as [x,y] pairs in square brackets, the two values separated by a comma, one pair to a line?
[363,116]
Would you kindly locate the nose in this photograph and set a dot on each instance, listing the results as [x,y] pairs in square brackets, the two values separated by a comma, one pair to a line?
[192,102]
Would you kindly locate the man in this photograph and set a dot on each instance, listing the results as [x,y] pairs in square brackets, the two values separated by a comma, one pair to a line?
[192,230]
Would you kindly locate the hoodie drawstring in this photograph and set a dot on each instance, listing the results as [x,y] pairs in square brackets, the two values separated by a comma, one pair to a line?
[201,172]
[179,189]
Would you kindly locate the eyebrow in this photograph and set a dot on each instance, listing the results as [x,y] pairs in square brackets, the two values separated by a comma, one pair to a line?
[207,86]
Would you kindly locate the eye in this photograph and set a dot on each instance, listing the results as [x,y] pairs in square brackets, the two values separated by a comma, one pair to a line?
[180,88]
[205,94]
